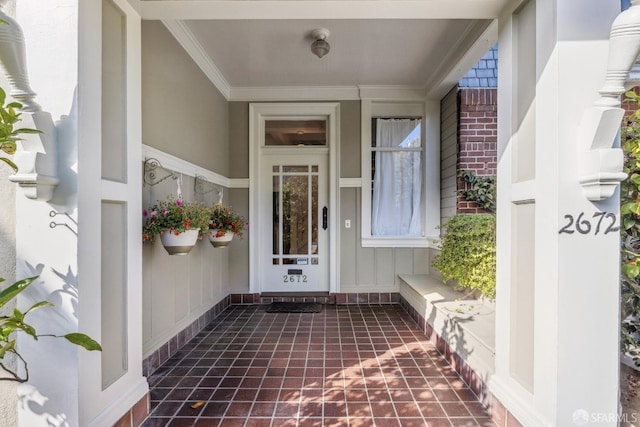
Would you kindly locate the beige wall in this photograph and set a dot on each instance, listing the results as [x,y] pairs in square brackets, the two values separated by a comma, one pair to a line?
[183,115]
[448,154]
[372,269]
[238,140]
[350,151]
[182,112]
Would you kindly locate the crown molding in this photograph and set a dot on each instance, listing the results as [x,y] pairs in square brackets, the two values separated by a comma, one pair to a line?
[295,93]
[185,37]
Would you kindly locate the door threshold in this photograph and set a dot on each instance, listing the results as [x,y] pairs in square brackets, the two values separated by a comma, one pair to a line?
[293,294]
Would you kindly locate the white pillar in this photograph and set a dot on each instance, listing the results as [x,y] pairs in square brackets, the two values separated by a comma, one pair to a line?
[558,292]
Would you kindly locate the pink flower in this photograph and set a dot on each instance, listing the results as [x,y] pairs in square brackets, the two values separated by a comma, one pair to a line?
[144,213]
[153,213]
[164,212]
[178,202]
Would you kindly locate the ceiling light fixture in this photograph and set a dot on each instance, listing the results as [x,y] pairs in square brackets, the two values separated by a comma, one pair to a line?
[320,47]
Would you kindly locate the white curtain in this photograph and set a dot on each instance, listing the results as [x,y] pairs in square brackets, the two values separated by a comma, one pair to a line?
[397,183]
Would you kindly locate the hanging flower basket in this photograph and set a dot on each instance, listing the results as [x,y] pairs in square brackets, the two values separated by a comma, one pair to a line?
[225,223]
[179,224]
[220,238]
[176,243]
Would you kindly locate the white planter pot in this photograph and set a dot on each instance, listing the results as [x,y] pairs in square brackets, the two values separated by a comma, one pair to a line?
[180,244]
[222,241]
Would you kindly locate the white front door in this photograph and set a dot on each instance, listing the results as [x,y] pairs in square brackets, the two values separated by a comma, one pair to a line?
[294,222]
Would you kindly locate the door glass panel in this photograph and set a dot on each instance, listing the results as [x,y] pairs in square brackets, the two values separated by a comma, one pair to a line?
[295,132]
[295,213]
[295,169]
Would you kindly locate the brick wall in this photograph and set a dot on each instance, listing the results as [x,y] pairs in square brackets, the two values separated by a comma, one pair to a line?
[477,137]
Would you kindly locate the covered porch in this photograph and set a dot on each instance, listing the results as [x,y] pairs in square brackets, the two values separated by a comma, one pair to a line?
[192,85]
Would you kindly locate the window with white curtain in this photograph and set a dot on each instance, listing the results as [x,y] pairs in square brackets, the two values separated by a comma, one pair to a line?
[400,172]
[396,189]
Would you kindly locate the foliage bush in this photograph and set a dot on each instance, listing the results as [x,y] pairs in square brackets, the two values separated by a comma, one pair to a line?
[630,236]
[481,190]
[468,252]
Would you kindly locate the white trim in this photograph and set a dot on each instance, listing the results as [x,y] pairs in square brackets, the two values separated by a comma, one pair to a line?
[350,182]
[397,242]
[518,401]
[176,164]
[523,192]
[438,86]
[391,93]
[295,93]
[257,112]
[321,9]
[185,37]
[121,405]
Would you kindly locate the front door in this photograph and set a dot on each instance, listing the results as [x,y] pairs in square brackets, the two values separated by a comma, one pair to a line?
[294,212]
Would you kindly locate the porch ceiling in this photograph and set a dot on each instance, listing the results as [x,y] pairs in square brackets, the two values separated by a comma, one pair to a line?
[251,49]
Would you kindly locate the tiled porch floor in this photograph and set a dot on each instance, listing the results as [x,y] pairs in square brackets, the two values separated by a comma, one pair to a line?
[348,365]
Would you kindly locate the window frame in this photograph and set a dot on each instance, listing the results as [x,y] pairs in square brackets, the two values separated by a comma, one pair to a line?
[429,112]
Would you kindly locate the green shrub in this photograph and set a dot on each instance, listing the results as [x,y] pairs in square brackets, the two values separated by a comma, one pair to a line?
[630,235]
[468,252]
[480,189]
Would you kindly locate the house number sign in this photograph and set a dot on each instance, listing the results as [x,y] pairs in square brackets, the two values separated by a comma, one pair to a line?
[598,223]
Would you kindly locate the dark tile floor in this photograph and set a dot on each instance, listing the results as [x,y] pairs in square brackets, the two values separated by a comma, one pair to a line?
[346,366]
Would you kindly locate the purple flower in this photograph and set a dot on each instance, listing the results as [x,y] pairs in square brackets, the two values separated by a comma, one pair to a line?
[164,212]
[144,213]
[153,213]
[179,202]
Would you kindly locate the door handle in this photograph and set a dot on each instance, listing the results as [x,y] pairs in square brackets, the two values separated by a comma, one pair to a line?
[325,218]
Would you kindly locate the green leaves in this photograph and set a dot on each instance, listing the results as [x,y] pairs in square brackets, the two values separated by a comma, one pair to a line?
[83,341]
[9,116]
[631,270]
[481,190]
[468,253]
[630,234]
[9,325]
[12,291]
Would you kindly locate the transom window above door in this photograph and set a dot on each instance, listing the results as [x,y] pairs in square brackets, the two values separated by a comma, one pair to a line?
[288,133]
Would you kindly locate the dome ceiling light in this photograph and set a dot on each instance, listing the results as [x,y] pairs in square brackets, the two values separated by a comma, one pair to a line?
[320,47]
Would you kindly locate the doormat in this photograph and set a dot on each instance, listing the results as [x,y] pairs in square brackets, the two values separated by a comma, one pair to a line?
[294,307]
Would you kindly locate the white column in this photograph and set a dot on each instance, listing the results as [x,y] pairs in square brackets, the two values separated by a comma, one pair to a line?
[51,395]
[558,292]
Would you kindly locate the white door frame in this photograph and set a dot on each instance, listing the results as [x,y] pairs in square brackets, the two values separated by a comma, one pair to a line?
[258,113]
